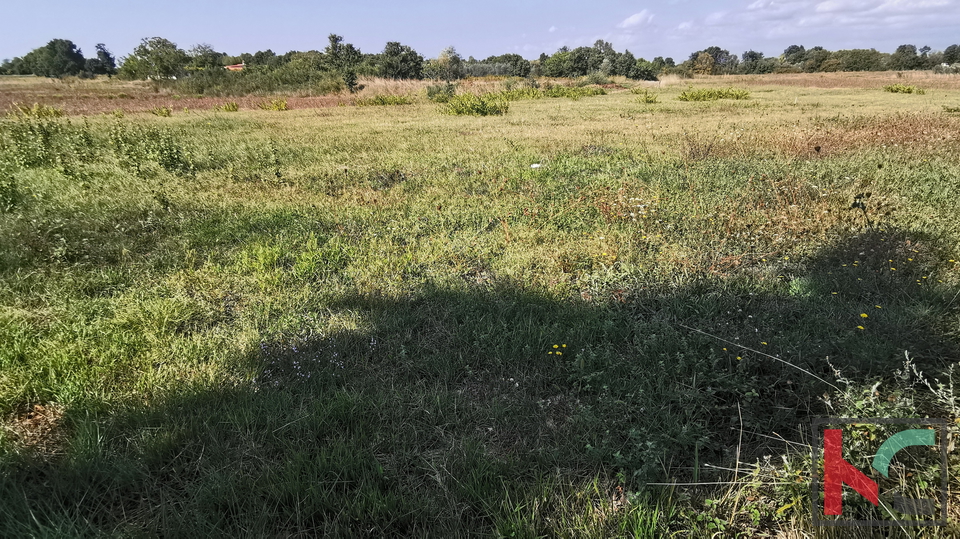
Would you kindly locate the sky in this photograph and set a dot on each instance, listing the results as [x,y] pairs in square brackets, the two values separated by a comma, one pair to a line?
[673,28]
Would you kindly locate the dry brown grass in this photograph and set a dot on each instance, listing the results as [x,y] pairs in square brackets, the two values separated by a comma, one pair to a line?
[38,429]
[922,132]
[859,79]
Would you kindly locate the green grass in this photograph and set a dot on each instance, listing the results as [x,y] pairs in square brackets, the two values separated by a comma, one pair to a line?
[904,89]
[385,322]
[712,94]
[475,105]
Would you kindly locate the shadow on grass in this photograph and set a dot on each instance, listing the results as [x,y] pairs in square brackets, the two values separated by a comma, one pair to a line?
[483,409]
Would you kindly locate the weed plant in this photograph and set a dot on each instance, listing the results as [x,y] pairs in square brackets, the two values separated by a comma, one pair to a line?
[475,105]
[382,100]
[712,94]
[904,89]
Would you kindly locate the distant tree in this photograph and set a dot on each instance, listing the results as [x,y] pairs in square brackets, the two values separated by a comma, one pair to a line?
[519,66]
[344,58]
[723,61]
[751,62]
[154,58]
[905,58]
[815,58]
[203,56]
[794,54]
[704,64]
[57,59]
[625,65]
[400,62]
[448,65]
[644,70]
[859,60]
[951,54]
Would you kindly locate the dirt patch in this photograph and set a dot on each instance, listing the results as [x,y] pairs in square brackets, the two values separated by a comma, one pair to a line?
[38,428]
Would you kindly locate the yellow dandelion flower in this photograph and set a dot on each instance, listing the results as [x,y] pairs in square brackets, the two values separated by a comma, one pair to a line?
[738,357]
[860,327]
[549,353]
[564,346]
[877,306]
[556,346]
[763,342]
[559,353]
[863,315]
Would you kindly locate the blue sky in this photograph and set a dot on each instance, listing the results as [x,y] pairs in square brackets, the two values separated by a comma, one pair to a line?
[673,28]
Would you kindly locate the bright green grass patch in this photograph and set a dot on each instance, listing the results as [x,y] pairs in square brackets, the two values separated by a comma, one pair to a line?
[476,105]
[713,94]
[904,89]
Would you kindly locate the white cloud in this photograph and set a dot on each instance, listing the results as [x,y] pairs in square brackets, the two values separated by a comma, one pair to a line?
[637,19]
[552,29]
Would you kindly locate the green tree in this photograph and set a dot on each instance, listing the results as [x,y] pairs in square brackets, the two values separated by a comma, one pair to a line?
[951,54]
[644,70]
[815,59]
[859,60]
[399,62]
[447,66]
[704,64]
[519,66]
[203,56]
[154,58]
[57,59]
[905,58]
[343,58]
[794,54]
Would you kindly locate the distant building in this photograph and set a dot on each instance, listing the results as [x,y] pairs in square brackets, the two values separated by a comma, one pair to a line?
[236,67]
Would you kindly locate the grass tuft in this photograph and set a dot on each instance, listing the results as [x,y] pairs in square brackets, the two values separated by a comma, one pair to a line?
[712,94]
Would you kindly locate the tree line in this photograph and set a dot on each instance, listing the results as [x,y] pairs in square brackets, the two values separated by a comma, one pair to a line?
[200,69]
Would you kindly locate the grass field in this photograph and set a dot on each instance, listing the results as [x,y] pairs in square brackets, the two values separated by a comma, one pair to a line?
[387,321]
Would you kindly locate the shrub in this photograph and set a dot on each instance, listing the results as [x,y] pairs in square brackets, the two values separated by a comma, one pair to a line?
[904,89]
[574,93]
[36,111]
[712,94]
[593,78]
[275,104]
[162,111]
[382,100]
[476,105]
[645,96]
[228,107]
[441,93]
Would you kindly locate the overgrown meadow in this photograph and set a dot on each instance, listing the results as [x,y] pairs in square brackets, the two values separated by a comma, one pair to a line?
[384,320]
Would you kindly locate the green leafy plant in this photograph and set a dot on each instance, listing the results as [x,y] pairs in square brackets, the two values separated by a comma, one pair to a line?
[441,93]
[274,104]
[904,89]
[712,94]
[228,107]
[164,112]
[476,105]
[645,96]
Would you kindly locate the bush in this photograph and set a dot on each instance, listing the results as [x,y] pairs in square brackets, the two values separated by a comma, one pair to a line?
[162,111]
[644,95]
[593,78]
[228,107]
[36,111]
[712,94]
[441,93]
[382,100]
[904,89]
[275,104]
[476,105]
[574,93]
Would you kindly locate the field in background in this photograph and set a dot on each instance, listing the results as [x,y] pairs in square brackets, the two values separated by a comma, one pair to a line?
[387,321]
